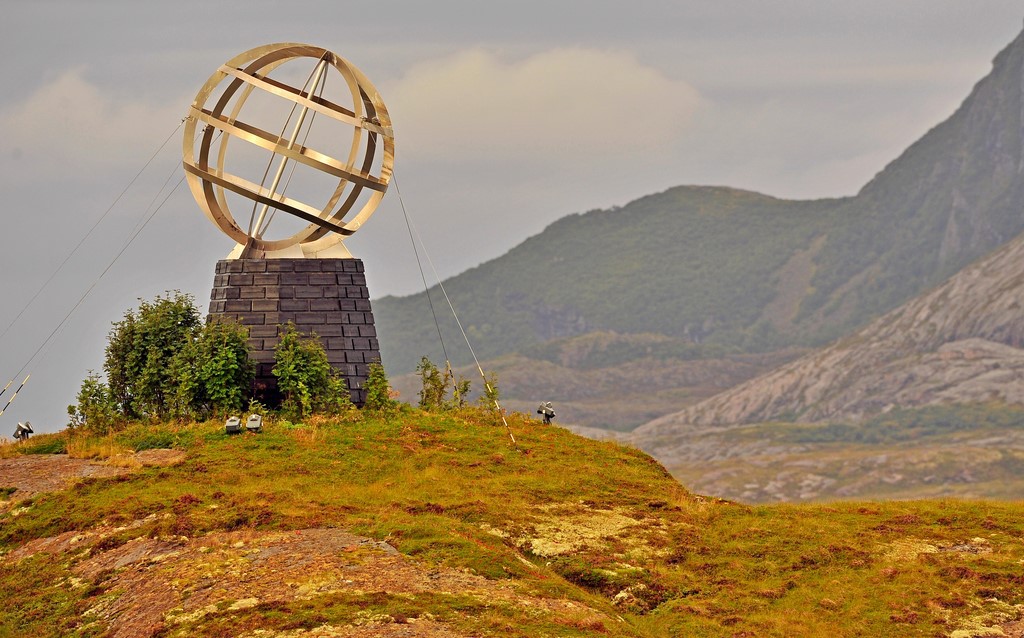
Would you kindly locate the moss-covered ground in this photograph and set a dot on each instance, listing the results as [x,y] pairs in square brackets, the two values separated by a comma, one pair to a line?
[557,536]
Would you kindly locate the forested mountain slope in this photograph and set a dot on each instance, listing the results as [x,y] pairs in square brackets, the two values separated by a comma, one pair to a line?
[744,270]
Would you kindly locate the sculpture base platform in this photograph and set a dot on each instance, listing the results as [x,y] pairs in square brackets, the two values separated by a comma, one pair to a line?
[328,297]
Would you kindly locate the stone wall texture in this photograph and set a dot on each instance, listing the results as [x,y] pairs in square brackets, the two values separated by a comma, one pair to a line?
[328,297]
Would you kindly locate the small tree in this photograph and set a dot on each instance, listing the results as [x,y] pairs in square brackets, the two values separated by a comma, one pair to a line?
[96,409]
[141,351]
[301,368]
[305,376]
[489,398]
[378,390]
[213,372]
[161,361]
[434,384]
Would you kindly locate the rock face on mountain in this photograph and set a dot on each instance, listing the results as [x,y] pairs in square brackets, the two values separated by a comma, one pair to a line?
[747,271]
[961,342]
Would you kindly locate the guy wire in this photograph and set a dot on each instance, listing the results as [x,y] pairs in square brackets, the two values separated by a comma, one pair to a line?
[97,281]
[419,264]
[455,315]
[135,233]
[89,234]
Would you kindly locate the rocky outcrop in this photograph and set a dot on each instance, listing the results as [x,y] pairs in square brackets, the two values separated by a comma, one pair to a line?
[960,342]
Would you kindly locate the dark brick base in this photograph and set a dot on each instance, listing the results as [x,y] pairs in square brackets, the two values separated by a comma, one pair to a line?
[325,296]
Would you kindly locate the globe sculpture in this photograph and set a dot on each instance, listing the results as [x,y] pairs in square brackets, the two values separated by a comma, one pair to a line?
[361,177]
[298,117]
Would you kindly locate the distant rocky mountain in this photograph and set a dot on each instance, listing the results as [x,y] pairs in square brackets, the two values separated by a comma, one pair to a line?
[959,343]
[744,271]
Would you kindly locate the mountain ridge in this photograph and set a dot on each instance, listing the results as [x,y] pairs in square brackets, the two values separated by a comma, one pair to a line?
[744,271]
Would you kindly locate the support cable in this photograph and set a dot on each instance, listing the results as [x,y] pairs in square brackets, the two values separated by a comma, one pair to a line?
[63,321]
[15,395]
[87,235]
[135,233]
[423,276]
[487,385]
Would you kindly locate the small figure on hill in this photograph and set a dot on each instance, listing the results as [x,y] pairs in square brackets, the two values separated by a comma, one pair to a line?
[546,411]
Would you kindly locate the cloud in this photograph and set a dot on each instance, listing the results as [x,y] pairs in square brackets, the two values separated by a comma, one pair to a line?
[71,127]
[564,105]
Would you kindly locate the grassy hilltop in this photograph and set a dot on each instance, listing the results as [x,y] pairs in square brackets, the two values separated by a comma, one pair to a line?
[420,524]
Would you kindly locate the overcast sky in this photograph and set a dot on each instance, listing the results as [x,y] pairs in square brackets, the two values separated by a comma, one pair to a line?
[507,116]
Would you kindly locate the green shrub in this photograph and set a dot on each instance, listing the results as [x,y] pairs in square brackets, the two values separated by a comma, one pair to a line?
[213,371]
[436,386]
[95,410]
[141,351]
[305,376]
[378,390]
[162,362]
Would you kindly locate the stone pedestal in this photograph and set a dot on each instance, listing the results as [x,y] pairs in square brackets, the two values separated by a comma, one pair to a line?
[328,297]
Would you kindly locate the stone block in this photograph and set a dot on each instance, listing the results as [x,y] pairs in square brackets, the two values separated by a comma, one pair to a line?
[253,292]
[308,265]
[281,292]
[327,305]
[237,305]
[240,280]
[309,292]
[264,305]
[263,331]
[266,279]
[294,279]
[296,305]
[254,265]
[340,343]
[322,279]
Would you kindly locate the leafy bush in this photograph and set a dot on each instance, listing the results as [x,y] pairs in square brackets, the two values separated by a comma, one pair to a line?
[213,371]
[141,351]
[305,376]
[96,409]
[437,385]
[162,362]
[378,390]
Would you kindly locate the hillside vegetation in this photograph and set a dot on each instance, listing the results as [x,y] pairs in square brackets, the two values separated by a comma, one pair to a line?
[730,271]
[419,524]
